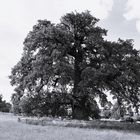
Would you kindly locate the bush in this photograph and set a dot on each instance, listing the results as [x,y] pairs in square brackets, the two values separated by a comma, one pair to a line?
[43,105]
[62,111]
[128,119]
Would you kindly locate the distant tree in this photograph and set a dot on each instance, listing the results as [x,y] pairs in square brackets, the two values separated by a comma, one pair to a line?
[26,106]
[15,99]
[118,111]
[107,110]
[4,106]
[130,111]
[73,56]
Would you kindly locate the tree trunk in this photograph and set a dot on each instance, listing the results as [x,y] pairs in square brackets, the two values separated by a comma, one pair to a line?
[80,111]
[78,107]
[77,75]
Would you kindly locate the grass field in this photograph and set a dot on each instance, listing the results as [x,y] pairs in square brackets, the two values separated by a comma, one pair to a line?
[10,129]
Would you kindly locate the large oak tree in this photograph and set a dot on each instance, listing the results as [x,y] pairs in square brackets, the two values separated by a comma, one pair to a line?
[72,57]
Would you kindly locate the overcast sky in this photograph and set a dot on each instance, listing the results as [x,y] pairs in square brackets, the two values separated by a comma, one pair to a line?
[120,17]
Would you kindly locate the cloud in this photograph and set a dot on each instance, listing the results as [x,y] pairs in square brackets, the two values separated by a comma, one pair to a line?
[138,25]
[133,12]
[120,27]
[54,9]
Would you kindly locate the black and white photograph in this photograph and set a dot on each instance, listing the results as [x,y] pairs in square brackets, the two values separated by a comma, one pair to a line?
[69,70]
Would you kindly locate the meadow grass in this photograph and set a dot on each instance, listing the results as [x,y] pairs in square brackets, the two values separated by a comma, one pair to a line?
[11,129]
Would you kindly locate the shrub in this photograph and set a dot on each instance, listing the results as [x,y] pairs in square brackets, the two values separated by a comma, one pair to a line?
[128,119]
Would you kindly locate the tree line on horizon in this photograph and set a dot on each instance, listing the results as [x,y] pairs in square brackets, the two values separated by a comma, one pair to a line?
[4,106]
[69,65]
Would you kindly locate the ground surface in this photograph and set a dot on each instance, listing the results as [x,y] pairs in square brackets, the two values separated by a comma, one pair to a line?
[10,129]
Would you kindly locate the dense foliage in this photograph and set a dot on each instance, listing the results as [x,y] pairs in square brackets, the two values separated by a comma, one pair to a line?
[73,59]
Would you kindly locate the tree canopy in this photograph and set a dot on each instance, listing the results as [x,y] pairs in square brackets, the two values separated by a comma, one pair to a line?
[73,58]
